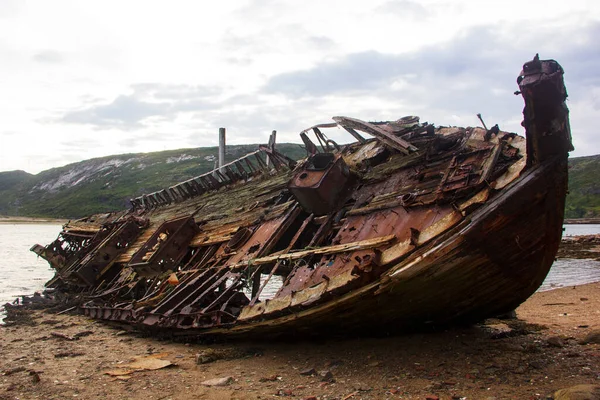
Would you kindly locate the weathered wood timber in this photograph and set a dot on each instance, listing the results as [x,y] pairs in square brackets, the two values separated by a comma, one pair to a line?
[416,225]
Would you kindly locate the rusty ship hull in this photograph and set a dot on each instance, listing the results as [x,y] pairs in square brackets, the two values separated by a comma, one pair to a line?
[418,225]
[470,273]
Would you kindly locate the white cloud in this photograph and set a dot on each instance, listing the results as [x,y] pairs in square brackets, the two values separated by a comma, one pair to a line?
[87,79]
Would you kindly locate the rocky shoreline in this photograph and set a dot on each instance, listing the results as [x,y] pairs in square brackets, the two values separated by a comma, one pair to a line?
[551,351]
[554,344]
[581,247]
[582,221]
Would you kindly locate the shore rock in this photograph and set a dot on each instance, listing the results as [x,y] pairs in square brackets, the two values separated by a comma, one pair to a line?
[326,376]
[555,341]
[578,392]
[218,381]
[308,372]
[592,337]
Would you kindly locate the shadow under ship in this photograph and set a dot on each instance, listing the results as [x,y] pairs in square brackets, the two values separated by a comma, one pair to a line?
[413,225]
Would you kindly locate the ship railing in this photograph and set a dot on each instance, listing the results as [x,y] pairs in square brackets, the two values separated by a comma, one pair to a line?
[241,169]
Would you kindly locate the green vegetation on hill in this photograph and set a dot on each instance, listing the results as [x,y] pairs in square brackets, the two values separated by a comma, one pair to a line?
[107,183]
[583,200]
[10,179]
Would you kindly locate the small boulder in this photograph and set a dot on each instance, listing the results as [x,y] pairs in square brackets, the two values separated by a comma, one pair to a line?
[592,337]
[308,372]
[555,341]
[35,376]
[326,376]
[218,381]
[360,387]
[578,392]
[520,370]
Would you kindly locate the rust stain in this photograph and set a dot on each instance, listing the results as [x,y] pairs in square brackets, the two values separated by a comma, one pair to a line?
[345,237]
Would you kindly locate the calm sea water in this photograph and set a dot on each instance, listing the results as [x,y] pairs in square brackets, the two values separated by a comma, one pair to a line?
[22,272]
[581,229]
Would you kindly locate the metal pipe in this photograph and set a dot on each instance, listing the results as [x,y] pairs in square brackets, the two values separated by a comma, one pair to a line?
[221,147]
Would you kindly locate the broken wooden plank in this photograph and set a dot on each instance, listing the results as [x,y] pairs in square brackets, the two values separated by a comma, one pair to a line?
[339,248]
[81,229]
[388,138]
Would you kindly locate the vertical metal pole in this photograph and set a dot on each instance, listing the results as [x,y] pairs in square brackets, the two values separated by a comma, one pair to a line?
[271,145]
[221,147]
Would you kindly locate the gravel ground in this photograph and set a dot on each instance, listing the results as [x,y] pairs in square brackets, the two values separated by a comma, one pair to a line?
[49,356]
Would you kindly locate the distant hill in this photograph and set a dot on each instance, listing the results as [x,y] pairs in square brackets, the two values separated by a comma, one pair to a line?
[107,183]
[583,200]
[11,184]
[10,179]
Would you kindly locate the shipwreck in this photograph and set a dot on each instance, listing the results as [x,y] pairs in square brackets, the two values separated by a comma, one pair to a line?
[410,224]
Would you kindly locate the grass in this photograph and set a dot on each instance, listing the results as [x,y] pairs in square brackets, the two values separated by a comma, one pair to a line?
[107,188]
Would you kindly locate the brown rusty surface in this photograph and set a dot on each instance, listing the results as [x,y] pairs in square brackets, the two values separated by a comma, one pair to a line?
[399,196]
[387,214]
[99,260]
[254,219]
[243,205]
[165,248]
[319,182]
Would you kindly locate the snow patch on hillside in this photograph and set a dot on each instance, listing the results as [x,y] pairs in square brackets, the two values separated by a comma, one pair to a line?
[183,157]
[82,173]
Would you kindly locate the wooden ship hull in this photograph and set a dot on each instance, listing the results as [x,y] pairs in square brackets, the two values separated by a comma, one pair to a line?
[418,225]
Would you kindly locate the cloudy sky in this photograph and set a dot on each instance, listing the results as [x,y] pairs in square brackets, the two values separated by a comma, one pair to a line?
[83,79]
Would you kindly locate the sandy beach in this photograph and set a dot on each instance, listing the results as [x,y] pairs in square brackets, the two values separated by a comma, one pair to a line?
[51,356]
[30,220]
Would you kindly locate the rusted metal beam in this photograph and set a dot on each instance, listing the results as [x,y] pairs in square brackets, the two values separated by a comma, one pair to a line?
[391,140]
[300,231]
[185,294]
